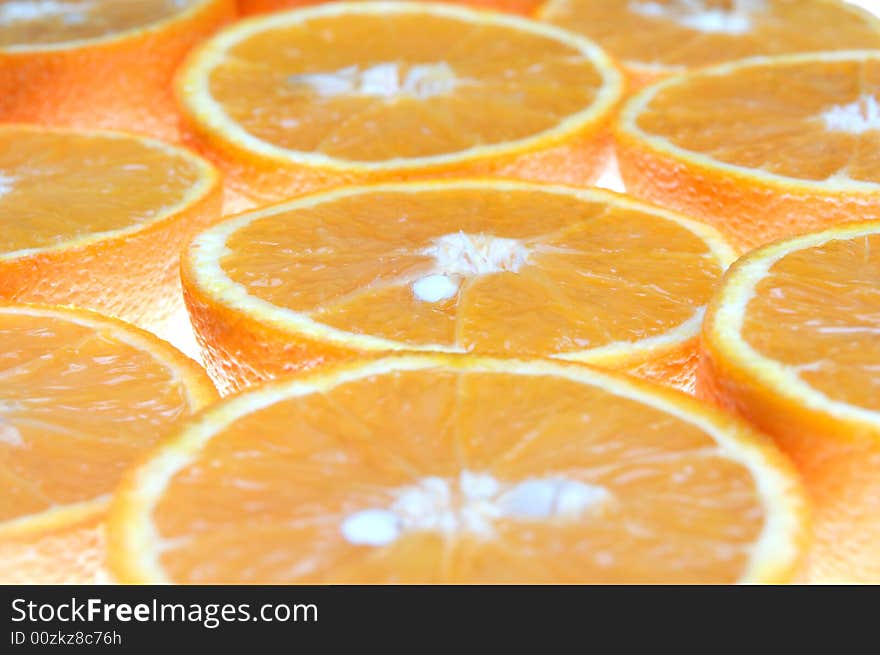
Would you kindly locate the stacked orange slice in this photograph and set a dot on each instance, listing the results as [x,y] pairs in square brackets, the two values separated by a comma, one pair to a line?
[97,219]
[83,396]
[484,266]
[763,148]
[447,469]
[654,38]
[99,63]
[299,101]
[791,342]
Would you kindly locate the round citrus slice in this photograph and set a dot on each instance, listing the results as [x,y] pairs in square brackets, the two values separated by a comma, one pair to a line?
[299,101]
[791,342]
[99,63]
[81,397]
[97,219]
[524,7]
[764,148]
[484,266]
[654,39]
[445,469]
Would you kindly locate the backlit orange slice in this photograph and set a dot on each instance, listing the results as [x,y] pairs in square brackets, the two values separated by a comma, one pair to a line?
[99,63]
[762,149]
[482,266]
[792,342]
[97,219]
[81,397]
[460,470]
[654,38]
[294,102]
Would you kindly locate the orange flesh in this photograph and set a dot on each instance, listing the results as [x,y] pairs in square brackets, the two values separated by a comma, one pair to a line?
[595,273]
[662,38]
[265,499]
[77,406]
[248,7]
[54,22]
[773,119]
[819,309]
[467,85]
[70,556]
[56,187]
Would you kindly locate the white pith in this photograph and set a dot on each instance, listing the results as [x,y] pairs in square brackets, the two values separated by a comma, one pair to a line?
[459,255]
[435,287]
[386,80]
[205,262]
[477,254]
[9,434]
[698,16]
[857,117]
[471,504]
[7,183]
[775,548]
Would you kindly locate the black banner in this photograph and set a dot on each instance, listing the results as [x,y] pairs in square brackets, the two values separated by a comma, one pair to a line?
[326,619]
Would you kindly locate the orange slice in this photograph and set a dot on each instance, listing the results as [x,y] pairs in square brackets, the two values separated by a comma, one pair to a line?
[299,101]
[484,266]
[97,219]
[525,7]
[82,397]
[460,470]
[99,63]
[762,149]
[791,343]
[654,39]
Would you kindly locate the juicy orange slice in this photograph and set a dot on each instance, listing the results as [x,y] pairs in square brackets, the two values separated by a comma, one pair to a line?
[97,219]
[460,470]
[352,92]
[656,38]
[526,7]
[69,554]
[762,149]
[791,343]
[483,266]
[99,63]
[82,397]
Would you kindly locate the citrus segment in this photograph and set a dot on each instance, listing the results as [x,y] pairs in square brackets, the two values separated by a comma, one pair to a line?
[791,343]
[457,469]
[97,219]
[763,149]
[82,397]
[354,92]
[654,39]
[499,268]
[99,63]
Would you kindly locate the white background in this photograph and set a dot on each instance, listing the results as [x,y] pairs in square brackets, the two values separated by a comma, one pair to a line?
[870,5]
